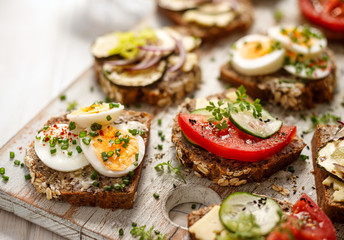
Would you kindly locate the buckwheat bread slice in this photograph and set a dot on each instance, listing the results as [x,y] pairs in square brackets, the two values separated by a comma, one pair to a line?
[241,22]
[284,89]
[194,216]
[77,187]
[224,171]
[333,210]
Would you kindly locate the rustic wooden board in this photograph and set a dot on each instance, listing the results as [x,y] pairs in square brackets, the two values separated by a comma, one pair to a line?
[19,196]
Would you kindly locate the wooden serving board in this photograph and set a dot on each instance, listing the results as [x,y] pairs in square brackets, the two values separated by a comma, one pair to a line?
[20,197]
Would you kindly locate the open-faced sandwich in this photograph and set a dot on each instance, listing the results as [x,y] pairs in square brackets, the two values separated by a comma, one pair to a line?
[92,156]
[156,66]
[291,67]
[231,140]
[327,14]
[208,19]
[328,163]
[244,216]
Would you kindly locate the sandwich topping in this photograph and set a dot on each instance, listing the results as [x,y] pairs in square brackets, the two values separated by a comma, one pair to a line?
[298,50]
[93,138]
[140,58]
[238,130]
[247,216]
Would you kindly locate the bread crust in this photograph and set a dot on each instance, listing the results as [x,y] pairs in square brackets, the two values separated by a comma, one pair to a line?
[283,89]
[225,172]
[240,23]
[76,187]
[333,210]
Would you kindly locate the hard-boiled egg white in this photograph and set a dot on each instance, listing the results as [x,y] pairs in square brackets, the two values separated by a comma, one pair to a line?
[301,39]
[99,112]
[314,68]
[257,55]
[115,151]
[57,147]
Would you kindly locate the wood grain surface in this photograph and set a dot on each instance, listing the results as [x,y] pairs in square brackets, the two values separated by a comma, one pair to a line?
[50,64]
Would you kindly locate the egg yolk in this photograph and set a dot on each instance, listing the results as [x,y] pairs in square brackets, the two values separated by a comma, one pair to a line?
[123,153]
[92,109]
[303,38]
[255,49]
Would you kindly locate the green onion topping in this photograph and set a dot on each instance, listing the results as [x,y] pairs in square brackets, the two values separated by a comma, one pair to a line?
[12,155]
[52,151]
[71,126]
[78,148]
[108,117]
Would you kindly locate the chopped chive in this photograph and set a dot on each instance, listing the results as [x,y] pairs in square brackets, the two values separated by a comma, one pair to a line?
[193,206]
[107,99]
[59,140]
[52,143]
[70,153]
[74,141]
[117,186]
[71,126]
[38,137]
[111,142]
[113,105]
[117,134]
[110,153]
[133,224]
[16,162]
[27,176]
[143,132]
[64,146]
[134,132]
[93,134]
[126,181]
[108,117]
[11,154]
[131,173]
[63,97]
[125,145]
[94,175]
[22,165]
[159,133]
[108,188]
[46,128]
[99,140]
[78,148]
[304,157]
[96,184]
[136,164]
[121,232]
[162,138]
[104,156]
[96,126]
[136,157]
[86,140]
[2,170]
[156,196]
[5,178]
[91,88]
[159,121]
[117,151]
[71,106]
[291,169]
[118,141]
[82,134]
[160,146]
[52,151]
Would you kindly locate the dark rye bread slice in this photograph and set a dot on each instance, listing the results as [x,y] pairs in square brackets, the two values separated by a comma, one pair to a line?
[76,187]
[225,172]
[194,216]
[240,23]
[333,210]
[284,89]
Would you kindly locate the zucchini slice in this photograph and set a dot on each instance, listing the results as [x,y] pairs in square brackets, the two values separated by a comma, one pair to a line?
[262,127]
[249,215]
[331,158]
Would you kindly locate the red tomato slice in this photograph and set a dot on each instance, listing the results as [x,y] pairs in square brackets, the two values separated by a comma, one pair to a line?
[325,13]
[233,143]
[307,222]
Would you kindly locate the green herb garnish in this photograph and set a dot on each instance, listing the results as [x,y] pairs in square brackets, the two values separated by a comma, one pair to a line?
[72,106]
[175,170]
[72,126]
[146,235]
[27,176]
[12,154]
[62,97]
[321,119]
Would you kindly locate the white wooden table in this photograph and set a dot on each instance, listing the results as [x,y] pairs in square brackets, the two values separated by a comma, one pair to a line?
[44,46]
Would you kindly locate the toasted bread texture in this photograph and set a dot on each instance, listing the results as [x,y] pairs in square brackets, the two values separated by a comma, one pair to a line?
[194,216]
[283,89]
[225,172]
[240,23]
[333,210]
[77,187]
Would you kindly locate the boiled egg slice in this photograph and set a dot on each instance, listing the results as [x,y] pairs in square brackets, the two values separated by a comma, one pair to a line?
[314,68]
[301,39]
[99,112]
[257,55]
[114,152]
[59,149]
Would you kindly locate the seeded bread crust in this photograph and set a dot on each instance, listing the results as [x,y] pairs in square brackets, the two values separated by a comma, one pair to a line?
[194,216]
[76,187]
[283,89]
[225,172]
[240,23]
[333,210]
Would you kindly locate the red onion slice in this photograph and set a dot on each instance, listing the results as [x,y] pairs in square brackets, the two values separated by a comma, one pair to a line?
[340,122]
[126,61]
[340,167]
[151,48]
[182,55]
[147,62]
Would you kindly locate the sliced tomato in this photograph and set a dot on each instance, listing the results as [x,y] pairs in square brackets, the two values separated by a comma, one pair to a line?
[232,143]
[328,14]
[307,222]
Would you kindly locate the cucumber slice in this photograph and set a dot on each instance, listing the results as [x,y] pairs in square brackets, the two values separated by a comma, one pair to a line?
[202,111]
[262,127]
[331,158]
[249,215]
